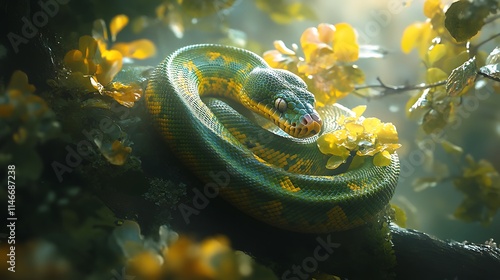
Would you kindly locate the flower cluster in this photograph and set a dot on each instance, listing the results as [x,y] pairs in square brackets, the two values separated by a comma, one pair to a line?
[327,68]
[93,66]
[176,256]
[444,59]
[365,136]
[26,121]
[480,182]
[89,71]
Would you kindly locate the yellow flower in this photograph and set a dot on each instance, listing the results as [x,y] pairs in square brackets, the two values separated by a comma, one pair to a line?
[138,49]
[93,66]
[90,71]
[365,136]
[326,66]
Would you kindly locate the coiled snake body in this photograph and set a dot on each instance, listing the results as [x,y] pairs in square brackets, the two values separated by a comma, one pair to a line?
[276,177]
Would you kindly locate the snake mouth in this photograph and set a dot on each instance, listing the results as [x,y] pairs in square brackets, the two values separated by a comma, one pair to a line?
[309,125]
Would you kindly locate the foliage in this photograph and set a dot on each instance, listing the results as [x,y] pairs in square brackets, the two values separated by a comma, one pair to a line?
[480,183]
[448,44]
[329,51]
[365,136]
[179,14]
[25,122]
[285,12]
[70,221]
[93,67]
[446,59]
[464,19]
[176,256]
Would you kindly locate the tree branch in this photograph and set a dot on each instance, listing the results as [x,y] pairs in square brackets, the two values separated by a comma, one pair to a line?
[360,254]
[389,89]
[474,49]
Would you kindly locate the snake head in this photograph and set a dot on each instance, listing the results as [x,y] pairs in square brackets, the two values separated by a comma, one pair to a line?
[283,98]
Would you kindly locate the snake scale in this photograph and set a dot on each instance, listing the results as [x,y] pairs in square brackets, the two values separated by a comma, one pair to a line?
[219,109]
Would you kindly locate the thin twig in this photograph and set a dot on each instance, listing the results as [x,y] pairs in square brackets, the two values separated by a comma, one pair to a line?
[486,75]
[491,19]
[389,89]
[476,47]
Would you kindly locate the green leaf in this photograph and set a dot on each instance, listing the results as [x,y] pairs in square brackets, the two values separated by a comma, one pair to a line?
[434,121]
[399,215]
[461,77]
[491,71]
[451,148]
[493,57]
[423,183]
[334,162]
[464,19]
[492,68]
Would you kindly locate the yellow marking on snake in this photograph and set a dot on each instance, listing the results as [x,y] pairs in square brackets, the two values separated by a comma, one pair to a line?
[213,55]
[288,185]
[273,209]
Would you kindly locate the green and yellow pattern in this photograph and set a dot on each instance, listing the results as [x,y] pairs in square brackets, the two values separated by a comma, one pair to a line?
[211,103]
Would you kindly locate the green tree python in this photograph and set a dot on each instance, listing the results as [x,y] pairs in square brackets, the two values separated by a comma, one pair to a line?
[223,109]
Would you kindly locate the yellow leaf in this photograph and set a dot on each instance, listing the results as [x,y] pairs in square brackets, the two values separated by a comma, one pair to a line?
[125,94]
[356,162]
[431,7]
[387,134]
[82,60]
[88,46]
[308,41]
[117,154]
[74,61]
[371,124]
[282,48]
[354,128]
[326,32]
[382,159]
[334,162]
[451,148]
[82,82]
[146,264]
[100,33]
[275,59]
[359,110]
[325,142]
[331,143]
[110,65]
[436,53]
[417,35]
[138,49]
[19,81]
[410,37]
[399,215]
[345,45]
[117,24]
[434,75]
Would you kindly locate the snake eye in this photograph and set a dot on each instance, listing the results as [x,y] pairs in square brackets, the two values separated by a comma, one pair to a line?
[280,104]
